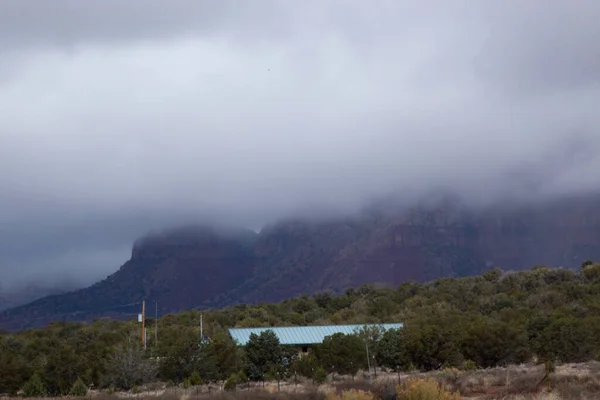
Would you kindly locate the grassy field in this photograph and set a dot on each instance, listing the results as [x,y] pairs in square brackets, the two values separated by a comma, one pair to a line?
[525,382]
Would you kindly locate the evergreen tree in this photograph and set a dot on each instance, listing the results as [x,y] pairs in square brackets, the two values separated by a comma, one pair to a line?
[79,389]
[34,387]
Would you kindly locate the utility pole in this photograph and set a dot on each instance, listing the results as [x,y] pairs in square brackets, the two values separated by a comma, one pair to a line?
[368,360]
[144,323]
[201,333]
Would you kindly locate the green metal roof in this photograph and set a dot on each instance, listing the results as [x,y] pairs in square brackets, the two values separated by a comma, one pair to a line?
[300,335]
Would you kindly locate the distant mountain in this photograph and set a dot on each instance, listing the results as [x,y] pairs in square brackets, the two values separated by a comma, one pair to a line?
[179,268]
[203,267]
[23,294]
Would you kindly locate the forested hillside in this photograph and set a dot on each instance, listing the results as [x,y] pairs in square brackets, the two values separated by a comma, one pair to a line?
[493,319]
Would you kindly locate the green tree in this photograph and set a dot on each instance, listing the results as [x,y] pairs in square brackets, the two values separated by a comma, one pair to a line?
[35,387]
[392,352]
[591,272]
[370,335]
[231,382]
[305,366]
[493,275]
[188,357]
[227,356]
[64,364]
[129,366]
[79,389]
[564,339]
[343,354]
[14,368]
[432,342]
[195,379]
[490,343]
[263,353]
[320,375]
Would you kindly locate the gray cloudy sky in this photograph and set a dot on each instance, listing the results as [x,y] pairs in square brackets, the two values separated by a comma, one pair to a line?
[118,116]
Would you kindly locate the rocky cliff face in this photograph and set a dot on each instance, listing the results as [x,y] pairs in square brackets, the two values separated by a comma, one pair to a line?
[178,269]
[201,267]
[420,244]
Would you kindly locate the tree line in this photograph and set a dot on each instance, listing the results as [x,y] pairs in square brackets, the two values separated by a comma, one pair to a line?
[497,318]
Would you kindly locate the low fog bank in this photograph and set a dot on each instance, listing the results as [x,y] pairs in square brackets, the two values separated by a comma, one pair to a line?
[137,120]
[67,257]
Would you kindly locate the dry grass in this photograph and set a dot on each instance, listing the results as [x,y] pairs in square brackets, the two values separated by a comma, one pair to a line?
[569,382]
[523,382]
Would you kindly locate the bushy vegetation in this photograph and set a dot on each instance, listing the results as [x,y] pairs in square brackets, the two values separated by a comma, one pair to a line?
[424,389]
[547,315]
[352,394]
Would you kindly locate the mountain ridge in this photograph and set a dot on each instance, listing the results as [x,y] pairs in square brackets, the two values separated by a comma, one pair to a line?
[206,267]
[26,293]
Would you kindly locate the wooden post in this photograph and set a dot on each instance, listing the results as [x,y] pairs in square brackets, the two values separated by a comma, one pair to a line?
[144,323]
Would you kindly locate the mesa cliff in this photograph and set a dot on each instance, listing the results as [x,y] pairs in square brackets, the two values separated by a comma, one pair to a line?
[204,267]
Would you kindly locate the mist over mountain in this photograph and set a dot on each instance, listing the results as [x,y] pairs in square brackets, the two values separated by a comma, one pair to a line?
[118,120]
[206,267]
[19,295]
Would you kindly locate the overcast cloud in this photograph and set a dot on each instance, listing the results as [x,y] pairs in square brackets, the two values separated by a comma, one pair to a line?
[121,116]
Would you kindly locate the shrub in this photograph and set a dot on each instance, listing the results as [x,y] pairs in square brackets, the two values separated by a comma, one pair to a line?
[320,376]
[450,375]
[79,389]
[351,395]
[424,389]
[272,375]
[358,384]
[468,365]
[549,367]
[242,377]
[34,387]
[195,379]
[231,383]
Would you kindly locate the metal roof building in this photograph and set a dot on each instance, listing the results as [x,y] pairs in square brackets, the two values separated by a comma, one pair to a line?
[302,335]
